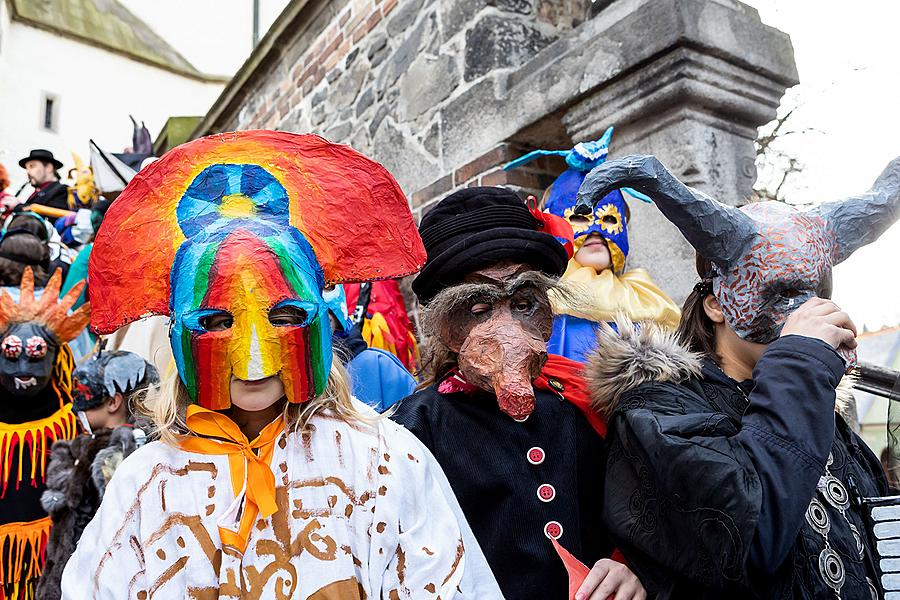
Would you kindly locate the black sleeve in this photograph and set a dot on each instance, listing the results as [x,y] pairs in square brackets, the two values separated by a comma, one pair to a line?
[413,412]
[60,198]
[681,497]
[691,494]
[787,432]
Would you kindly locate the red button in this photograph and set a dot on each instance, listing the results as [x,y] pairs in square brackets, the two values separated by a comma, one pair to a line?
[553,530]
[546,492]
[535,455]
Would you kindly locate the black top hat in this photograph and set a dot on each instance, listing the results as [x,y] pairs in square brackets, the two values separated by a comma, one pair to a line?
[45,156]
[475,228]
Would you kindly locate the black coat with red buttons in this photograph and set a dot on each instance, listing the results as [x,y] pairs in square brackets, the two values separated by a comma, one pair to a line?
[485,455]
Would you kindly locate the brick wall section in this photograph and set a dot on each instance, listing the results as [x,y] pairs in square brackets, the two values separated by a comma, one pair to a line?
[381,74]
[530,179]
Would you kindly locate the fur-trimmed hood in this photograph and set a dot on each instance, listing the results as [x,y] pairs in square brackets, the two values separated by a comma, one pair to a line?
[644,352]
[634,355]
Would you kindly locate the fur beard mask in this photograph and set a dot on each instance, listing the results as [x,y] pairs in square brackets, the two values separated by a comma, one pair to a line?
[494,328]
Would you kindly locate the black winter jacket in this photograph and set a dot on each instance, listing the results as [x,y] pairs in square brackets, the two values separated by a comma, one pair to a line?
[720,489]
[498,468]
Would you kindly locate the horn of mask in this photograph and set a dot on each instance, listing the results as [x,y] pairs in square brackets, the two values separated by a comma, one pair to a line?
[860,220]
[717,231]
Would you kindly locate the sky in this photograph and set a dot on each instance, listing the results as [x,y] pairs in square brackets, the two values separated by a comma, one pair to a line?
[214,35]
[845,118]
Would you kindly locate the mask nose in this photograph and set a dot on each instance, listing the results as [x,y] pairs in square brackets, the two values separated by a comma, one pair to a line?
[258,357]
[502,356]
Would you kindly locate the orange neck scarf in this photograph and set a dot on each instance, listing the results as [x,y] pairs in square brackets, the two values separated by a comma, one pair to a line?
[246,465]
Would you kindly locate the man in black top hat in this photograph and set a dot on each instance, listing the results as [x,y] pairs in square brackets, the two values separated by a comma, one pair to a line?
[43,174]
[509,424]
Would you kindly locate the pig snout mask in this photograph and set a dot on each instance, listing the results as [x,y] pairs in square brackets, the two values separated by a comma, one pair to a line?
[498,332]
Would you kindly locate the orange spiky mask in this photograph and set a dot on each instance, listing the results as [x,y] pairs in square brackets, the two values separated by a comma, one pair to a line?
[35,334]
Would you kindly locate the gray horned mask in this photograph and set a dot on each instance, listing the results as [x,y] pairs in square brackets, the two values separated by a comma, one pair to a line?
[769,258]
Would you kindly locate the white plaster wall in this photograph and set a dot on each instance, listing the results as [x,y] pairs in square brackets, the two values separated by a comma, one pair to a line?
[97,90]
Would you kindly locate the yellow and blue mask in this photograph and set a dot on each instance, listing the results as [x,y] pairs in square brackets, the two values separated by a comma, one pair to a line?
[610,216]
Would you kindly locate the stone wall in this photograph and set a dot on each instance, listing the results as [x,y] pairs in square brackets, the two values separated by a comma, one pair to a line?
[444,92]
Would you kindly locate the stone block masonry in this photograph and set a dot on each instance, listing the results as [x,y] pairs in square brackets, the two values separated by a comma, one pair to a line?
[444,92]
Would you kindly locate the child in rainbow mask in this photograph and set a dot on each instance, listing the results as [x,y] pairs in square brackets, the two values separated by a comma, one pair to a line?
[596,271]
[269,479]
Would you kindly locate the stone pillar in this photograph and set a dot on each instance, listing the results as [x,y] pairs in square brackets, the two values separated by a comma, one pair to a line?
[696,105]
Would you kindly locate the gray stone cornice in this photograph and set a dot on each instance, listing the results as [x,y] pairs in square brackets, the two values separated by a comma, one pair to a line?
[720,47]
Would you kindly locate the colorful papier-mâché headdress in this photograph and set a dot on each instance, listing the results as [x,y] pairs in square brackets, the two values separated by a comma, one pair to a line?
[239,224]
[609,218]
[769,258]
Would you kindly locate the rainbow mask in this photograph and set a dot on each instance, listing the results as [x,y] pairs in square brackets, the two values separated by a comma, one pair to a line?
[236,226]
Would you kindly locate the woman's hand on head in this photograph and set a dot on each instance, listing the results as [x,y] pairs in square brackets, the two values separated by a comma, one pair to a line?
[609,579]
[823,320]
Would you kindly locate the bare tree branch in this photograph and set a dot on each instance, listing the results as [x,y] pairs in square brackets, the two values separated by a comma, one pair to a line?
[776,167]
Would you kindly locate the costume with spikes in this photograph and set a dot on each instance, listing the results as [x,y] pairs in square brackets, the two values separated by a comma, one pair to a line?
[240,226]
[599,296]
[35,410]
[741,489]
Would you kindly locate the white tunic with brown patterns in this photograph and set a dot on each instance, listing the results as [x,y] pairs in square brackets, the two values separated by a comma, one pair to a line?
[363,512]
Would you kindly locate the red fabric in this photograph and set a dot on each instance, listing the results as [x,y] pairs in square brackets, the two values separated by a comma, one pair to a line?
[455,383]
[576,569]
[554,225]
[570,374]
[387,299]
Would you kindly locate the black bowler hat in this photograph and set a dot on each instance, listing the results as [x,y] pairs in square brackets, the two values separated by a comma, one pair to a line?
[45,156]
[476,227]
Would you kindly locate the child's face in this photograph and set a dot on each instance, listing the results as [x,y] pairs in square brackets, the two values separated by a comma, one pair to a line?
[256,395]
[594,253]
[113,412]
[95,417]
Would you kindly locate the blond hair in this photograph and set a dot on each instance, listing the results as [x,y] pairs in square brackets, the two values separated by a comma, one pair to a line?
[167,404]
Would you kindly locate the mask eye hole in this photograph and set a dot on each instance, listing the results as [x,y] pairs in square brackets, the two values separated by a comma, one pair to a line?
[36,347]
[579,220]
[288,315]
[790,293]
[218,321]
[610,220]
[11,346]
[522,305]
